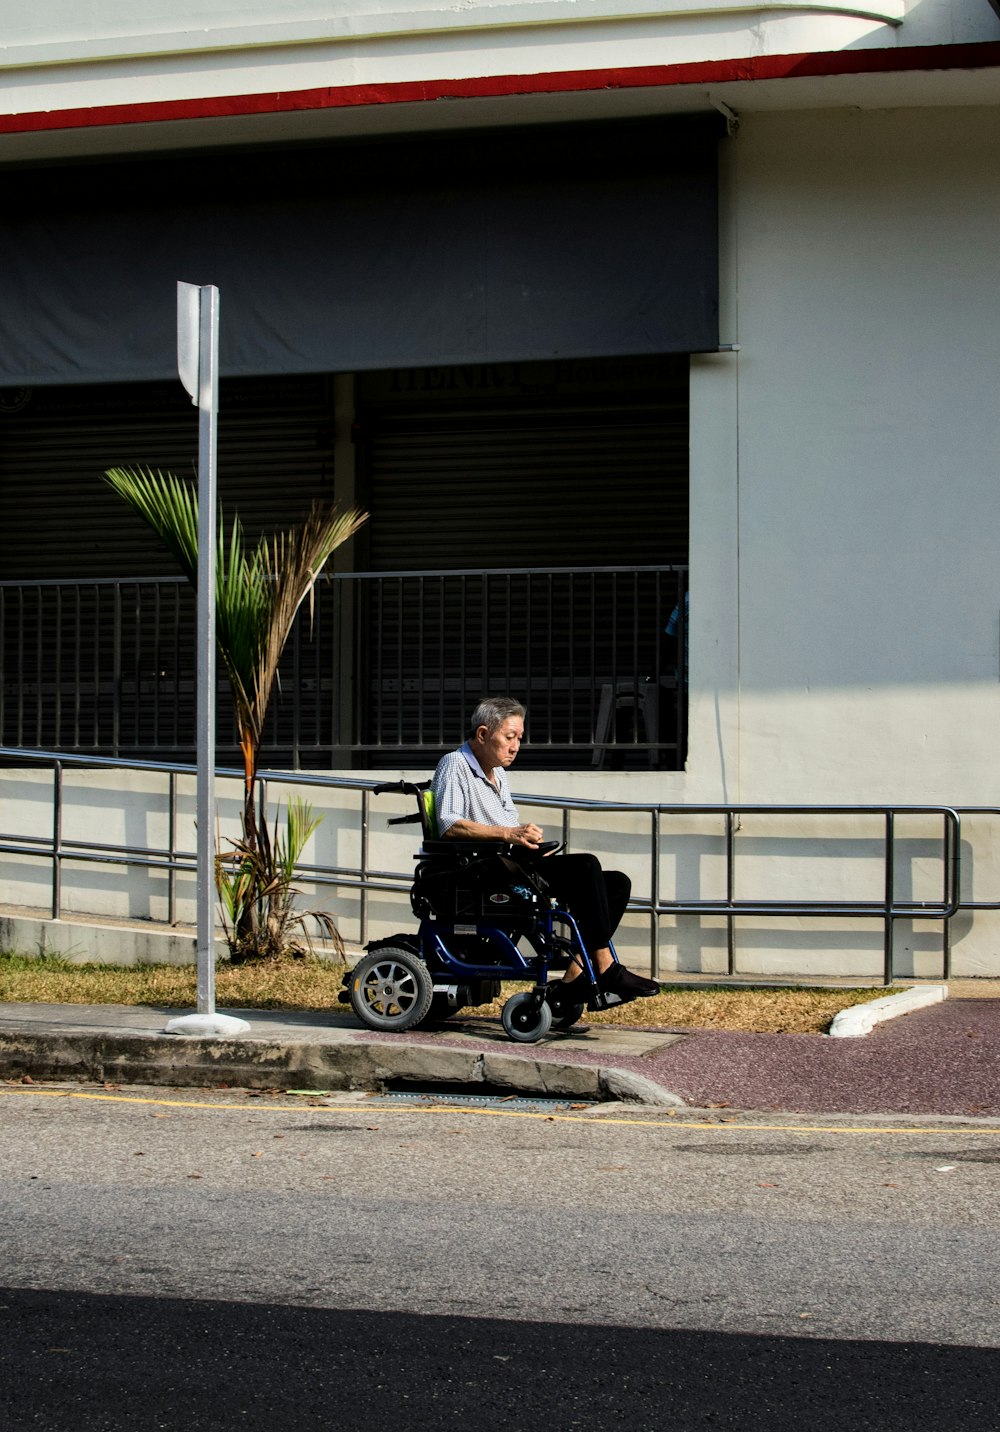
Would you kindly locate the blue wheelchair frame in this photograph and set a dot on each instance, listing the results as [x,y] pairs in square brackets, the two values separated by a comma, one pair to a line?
[405,980]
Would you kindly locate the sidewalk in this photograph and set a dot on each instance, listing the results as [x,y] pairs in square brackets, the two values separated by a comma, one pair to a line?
[942,1060]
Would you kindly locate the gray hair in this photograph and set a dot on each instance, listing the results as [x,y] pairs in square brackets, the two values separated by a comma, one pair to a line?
[493,711]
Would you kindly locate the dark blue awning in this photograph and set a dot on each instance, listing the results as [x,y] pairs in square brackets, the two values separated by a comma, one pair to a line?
[485,246]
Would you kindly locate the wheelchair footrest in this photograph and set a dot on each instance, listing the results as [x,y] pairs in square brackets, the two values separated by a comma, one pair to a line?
[598,1000]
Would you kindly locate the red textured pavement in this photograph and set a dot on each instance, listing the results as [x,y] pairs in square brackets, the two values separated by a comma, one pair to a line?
[941,1060]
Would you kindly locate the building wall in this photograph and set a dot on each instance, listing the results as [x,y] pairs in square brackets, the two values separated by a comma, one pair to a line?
[869,436]
[845,617]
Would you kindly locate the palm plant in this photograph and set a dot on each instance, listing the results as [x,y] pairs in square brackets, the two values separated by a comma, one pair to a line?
[255,890]
[258,593]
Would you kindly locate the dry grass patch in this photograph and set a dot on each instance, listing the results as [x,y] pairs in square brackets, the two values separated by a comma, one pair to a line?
[763,1011]
[315,984]
[750,1008]
[271,984]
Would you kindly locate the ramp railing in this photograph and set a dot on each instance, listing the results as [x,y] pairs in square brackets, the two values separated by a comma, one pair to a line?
[901,839]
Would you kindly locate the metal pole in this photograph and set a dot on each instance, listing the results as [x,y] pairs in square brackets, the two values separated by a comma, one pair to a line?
[950,857]
[208,402]
[365,827]
[198,368]
[172,872]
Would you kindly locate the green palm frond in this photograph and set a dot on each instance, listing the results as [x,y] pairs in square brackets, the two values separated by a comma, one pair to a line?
[294,560]
[169,505]
[300,823]
[258,592]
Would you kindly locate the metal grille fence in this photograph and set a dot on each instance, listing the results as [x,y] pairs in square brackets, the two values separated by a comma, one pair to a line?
[382,667]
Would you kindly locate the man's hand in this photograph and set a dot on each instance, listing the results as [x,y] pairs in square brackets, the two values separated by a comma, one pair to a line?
[529,835]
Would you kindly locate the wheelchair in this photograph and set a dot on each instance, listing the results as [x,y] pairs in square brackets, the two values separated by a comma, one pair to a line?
[485,916]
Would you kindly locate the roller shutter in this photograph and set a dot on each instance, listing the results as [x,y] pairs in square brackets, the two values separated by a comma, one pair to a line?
[91,664]
[591,476]
[591,473]
[59,520]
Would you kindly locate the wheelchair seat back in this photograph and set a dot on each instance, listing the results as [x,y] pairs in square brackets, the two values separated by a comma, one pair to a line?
[469,881]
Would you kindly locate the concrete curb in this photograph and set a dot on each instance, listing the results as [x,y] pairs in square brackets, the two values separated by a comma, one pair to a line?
[187,1062]
[861,1019]
[637,1089]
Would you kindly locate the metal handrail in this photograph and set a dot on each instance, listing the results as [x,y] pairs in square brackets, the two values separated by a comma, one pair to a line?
[363,878]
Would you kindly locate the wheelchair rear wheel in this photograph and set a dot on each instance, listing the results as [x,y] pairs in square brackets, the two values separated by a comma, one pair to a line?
[391,989]
[525,1019]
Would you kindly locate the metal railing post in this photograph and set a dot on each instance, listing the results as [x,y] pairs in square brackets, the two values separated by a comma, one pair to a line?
[172,848]
[730,894]
[116,700]
[364,872]
[57,812]
[950,878]
[890,895]
[654,898]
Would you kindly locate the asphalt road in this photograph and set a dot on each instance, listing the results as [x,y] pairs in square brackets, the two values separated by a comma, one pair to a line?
[222,1260]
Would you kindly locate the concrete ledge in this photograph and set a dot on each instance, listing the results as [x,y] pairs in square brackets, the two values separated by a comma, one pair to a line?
[861,1019]
[260,1064]
[83,941]
[111,943]
[120,1057]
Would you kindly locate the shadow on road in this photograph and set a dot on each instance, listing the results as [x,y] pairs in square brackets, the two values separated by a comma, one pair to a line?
[103,1364]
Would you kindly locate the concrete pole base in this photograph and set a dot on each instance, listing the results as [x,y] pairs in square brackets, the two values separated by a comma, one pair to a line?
[208,1026]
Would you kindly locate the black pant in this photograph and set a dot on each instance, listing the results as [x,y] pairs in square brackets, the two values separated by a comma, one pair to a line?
[596,898]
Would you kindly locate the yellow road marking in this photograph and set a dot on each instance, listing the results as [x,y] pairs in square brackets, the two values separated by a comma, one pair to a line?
[727,1126]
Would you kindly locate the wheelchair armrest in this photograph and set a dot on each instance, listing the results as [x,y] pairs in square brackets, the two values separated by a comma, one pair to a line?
[466,848]
[462,851]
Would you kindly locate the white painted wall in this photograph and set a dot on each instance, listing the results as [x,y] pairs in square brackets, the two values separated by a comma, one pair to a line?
[869,438]
[845,576]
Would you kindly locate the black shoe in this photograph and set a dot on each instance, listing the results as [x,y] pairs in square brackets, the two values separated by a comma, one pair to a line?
[564,995]
[620,985]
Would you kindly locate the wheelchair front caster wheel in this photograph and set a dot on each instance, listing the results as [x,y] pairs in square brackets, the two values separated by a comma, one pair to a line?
[525,1018]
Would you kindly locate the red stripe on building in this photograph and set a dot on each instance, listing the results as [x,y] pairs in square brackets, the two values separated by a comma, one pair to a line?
[985,55]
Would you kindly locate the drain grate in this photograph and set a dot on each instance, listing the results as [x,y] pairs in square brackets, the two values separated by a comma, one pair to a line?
[537,1103]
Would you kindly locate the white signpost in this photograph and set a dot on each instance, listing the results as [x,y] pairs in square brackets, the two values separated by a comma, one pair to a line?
[198,368]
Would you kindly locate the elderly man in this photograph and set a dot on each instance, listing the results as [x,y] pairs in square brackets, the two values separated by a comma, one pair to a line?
[473,802]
